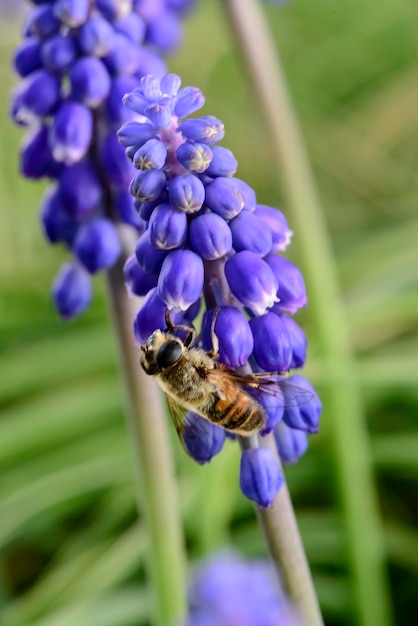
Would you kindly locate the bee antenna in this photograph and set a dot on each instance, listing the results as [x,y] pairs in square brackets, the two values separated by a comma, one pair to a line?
[142,348]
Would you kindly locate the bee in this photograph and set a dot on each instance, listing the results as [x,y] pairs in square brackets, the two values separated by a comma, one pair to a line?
[193,380]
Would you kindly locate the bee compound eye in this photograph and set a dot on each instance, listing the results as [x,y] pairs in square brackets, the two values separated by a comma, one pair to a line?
[169,353]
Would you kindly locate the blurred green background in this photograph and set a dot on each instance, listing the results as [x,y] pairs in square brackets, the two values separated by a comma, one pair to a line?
[72,550]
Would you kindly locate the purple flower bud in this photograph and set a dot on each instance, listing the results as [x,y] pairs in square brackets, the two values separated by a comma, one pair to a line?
[181,7]
[210,236]
[149,258]
[148,9]
[234,334]
[71,290]
[151,155]
[114,9]
[189,100]
[159,112]
[147,186]
[297,340]
[247,193]
[136,100]
[207,129]
[71,132]
[273,406]
[303,412]
[90,82]
[123,57]
[164,32]
[223,198]
[250,233]
[292,291]
[39,94]
[272,349]
[58,53]
[72,13]
[186,193]
[260,476]
[97,245]
[42,22]
[116,112]
[126,211]
[194,156]
[80,189]
[202,439]
[167,227]
[151,316]
[251,281]
[58,224]
[277,223]
[132,26]
[18,114]
[36,158]
[145,209]
[137,282]
[149,63]
[96,37]
[223,163]
[116,166]
[170,84]
[181,279]
[291,444]
[134,134]
[27,56]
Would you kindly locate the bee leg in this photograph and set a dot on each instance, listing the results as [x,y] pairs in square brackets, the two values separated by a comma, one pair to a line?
[168,320]
[171,327]
[213,336]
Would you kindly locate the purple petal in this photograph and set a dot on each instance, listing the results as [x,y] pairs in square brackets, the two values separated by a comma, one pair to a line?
[272,349]
[90,82]
[71,132]
[167,227]
[186,193]
[137,282]
[250,233]
[260,476]
[97,245]
[291,444]
[181,279]
[291,291]
[210,236]
[80,189]
[251,281]
[234,335]
[202,439]
[71,290]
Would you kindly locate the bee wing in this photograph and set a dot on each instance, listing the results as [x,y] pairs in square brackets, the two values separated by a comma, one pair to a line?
[288,395]
[178,414]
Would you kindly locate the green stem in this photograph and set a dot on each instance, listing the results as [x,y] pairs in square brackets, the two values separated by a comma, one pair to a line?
[343,403]
[284,543]
[154,470]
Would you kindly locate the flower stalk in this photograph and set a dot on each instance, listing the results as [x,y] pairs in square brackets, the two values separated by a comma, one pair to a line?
[346,426]
[155,488]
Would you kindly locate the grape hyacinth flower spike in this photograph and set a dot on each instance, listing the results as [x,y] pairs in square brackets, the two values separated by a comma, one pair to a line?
[205,238]
[76,61]
[227,590]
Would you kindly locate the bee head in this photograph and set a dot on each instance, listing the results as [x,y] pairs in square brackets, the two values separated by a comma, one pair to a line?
[161,351]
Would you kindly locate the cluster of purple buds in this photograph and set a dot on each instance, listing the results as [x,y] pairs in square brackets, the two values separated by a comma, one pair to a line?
[227,590]
[205,236]
[77,59]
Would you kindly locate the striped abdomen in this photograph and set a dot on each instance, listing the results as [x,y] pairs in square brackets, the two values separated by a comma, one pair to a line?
[238,412]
